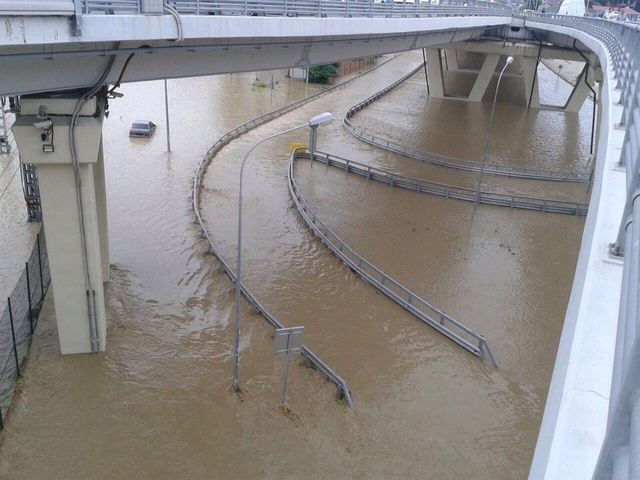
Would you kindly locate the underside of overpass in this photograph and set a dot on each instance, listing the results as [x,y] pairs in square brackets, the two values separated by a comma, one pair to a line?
[57,73]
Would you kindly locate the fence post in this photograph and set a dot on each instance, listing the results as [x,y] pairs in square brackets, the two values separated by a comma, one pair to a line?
[13,334]
[26,269]
[1,420]
[40,265]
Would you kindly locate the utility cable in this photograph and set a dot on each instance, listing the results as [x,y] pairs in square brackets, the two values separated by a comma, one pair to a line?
[91,302]
[174,13]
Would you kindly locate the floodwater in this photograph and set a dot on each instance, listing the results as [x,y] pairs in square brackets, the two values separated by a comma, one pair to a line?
[158,402]
[17,236]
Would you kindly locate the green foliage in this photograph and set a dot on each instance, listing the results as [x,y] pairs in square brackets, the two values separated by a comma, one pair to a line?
[257,83]
[321,73]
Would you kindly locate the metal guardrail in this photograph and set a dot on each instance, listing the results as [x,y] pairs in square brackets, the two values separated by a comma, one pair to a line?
[451,162]
[304,8]
[451,191]
[440,321]
[342,390]
[618,457]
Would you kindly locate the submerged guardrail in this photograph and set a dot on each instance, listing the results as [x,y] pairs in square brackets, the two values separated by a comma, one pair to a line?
[451,191]
[451,162]
[342,389]
[440,321]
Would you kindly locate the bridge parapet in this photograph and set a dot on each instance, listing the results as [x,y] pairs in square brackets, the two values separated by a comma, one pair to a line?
[591,356]
[310,8]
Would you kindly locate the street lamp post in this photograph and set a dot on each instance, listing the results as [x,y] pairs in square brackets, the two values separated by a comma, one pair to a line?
[314,123]
[486,141]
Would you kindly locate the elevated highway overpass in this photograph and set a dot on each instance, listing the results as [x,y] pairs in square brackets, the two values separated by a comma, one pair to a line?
[591,425]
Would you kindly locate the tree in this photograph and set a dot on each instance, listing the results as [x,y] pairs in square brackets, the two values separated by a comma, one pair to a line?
[320,73]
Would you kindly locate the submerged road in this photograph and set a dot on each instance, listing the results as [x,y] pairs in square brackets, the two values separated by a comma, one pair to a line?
[158,403]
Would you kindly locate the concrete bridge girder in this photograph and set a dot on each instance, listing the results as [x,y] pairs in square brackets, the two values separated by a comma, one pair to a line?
[526,53]
[212,45]
[72,69]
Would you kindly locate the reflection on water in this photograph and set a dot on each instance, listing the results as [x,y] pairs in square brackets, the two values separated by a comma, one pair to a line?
[158,403]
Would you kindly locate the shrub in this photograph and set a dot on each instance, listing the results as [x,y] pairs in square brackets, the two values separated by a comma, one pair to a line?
[320,73]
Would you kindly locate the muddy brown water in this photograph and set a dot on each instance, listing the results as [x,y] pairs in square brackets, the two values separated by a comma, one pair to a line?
[158,402]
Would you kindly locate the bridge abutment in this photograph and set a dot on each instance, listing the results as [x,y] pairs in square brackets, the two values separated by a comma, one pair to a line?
[74,211]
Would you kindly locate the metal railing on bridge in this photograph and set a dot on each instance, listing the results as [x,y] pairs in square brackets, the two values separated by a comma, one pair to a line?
[619,457]
[301,8]
[421,309]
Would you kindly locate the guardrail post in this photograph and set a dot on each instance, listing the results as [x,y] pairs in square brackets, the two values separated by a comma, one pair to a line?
[76,27]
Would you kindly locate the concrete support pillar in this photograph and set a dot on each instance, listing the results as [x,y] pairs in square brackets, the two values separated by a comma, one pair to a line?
[531,93]
[452,59]
[80,309]
[484,77]
[436,72]
[579,93]
[101,203]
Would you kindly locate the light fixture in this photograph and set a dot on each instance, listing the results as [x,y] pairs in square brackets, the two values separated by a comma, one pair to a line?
[486,142]
[314,123]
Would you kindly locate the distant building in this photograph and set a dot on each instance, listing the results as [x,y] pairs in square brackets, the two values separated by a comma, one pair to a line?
[599,10]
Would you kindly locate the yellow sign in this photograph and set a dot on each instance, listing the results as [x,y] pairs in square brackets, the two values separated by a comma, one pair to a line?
[293,146]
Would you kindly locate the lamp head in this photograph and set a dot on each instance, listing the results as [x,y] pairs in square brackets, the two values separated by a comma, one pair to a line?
[322,119]
[509,59]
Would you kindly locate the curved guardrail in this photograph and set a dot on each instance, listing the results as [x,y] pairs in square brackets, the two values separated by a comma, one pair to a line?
[308,356]
[440,321]
[302,8]
[451,191]
[451,162]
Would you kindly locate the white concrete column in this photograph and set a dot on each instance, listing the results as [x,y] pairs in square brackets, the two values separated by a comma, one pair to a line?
[451,55]
[530,66]
[436,72]
[484,77]
[101,203]
[579,93]
[61,215]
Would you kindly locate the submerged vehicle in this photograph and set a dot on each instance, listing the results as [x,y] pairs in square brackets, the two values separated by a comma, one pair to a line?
[142,128]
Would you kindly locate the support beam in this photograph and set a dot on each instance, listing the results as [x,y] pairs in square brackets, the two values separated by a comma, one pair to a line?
[101,204]
[579,93]
[531,92]
[436,72]
[78,297]
[484,77]
[452,59]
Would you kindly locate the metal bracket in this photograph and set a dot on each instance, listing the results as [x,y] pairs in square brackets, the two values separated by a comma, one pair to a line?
[614,252]
[75,25]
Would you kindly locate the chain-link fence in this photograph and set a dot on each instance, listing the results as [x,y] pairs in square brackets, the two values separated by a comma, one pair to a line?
[19,319]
